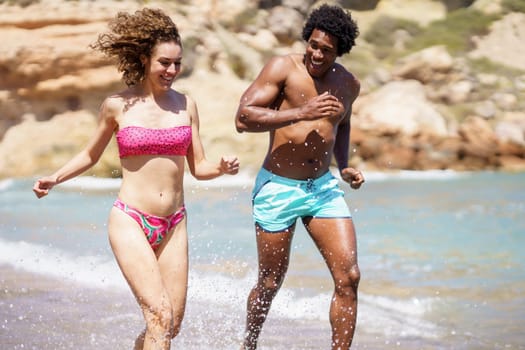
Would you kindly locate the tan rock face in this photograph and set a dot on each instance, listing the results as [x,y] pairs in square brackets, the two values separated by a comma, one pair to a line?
[425,66]
[52,84]
[33,147]
[505,42]
[47,67]
[399,106]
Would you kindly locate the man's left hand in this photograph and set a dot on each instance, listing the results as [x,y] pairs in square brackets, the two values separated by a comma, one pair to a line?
[353,176]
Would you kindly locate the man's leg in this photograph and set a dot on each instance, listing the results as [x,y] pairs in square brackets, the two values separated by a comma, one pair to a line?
[273,251]
[335,239]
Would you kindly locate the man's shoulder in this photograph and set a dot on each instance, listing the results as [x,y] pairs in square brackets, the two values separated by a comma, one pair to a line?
[279,67]
[347,76]
[344,72]
[286,59]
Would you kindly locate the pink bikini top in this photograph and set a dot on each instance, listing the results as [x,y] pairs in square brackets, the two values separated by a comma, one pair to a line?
[137,140]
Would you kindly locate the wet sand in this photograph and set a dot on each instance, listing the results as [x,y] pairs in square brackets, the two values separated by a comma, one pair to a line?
[42,313]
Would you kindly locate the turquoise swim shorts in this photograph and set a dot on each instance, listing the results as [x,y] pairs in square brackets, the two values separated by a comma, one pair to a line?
[278,201]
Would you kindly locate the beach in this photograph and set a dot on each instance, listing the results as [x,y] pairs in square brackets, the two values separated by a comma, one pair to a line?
[439,252]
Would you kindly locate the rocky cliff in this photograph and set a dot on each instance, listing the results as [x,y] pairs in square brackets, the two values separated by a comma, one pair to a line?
[426,102]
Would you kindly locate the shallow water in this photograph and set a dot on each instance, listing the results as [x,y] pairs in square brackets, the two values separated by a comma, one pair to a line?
[440,256]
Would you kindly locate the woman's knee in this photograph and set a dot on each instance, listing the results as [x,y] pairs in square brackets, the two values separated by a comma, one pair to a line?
[175,330]
[159,318]
[176,326]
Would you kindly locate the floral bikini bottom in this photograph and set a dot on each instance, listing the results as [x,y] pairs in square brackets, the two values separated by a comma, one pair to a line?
[155,227]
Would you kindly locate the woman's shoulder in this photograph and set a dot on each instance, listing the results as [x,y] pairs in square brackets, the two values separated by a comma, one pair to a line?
[182,100]
[119,97]
[114,105]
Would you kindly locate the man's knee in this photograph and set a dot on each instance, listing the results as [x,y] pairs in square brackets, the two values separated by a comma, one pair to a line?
[347,283]
[271,285]
[355,275]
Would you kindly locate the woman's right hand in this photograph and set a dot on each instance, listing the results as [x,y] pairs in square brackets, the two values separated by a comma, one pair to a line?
[43,185]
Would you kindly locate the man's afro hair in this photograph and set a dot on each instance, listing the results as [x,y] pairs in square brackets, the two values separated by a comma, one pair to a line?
[336,21]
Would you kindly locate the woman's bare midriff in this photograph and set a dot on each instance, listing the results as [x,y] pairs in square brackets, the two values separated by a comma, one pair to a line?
[157,188]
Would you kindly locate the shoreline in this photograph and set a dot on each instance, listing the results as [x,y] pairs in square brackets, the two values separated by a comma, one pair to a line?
[46,314]
[247,177]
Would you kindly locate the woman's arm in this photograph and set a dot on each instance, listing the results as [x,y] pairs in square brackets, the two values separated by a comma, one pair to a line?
[200,167]
[86,158]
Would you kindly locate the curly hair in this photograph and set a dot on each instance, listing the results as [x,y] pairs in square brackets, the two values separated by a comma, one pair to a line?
[132,36]
[336,21]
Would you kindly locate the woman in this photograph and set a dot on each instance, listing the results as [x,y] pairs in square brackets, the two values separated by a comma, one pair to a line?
[156,127]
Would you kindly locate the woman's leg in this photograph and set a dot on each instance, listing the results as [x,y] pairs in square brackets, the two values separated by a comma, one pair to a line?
[273,251]
[139,266]
[335,239]
[173,264]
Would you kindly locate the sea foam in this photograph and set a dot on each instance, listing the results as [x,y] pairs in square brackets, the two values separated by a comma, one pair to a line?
[377,314]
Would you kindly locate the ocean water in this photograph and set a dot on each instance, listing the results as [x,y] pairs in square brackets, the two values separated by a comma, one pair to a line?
[440,255]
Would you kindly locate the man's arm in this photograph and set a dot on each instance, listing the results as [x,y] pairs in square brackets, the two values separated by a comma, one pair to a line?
[342,143]
[342,139]
[258,108]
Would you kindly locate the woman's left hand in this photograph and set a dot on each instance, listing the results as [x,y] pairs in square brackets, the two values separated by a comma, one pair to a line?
[230,165]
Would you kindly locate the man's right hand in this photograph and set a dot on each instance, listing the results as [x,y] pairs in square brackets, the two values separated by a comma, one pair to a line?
[322,106]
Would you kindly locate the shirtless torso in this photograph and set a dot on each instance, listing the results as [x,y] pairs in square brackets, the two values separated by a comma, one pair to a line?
[321,106]
[304,149]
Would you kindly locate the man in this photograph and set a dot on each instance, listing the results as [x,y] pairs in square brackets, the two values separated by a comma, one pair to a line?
[305,101]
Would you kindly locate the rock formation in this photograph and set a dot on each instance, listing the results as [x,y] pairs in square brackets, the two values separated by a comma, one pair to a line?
[426,110]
